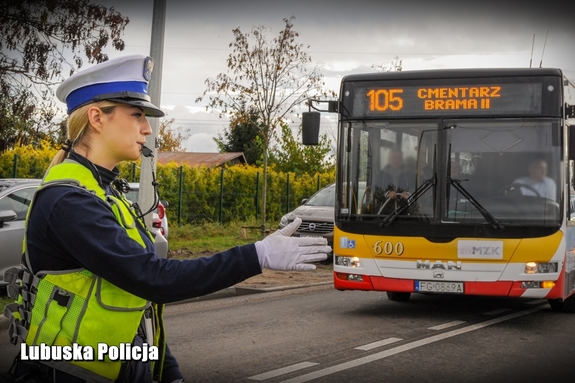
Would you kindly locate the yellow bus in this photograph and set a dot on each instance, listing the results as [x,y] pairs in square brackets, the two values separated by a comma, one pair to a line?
[454,182]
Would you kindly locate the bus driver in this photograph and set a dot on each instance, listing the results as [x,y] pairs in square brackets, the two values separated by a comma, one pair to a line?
[538,181]
[393,178]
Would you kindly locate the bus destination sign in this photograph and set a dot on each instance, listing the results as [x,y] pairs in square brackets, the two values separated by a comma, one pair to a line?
[418,101]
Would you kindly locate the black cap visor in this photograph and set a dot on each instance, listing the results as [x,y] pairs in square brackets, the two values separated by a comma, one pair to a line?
[150,109]
[132,98]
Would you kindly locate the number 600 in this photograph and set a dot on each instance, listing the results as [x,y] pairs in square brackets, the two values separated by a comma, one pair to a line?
[388,248]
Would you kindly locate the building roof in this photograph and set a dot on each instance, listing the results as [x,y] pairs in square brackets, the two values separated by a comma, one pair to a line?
[202,159]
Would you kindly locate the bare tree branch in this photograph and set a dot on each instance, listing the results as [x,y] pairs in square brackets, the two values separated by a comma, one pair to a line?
[266,77]
[39,41]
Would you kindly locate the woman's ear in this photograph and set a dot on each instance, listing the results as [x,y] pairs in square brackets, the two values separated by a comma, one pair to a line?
[95,117]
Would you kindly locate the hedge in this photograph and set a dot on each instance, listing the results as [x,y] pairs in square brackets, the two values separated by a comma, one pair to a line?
[200,197]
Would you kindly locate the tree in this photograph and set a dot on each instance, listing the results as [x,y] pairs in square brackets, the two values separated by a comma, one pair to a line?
[243,135]
[171,139]
[39,41]
[270,77]
[395,66]
[290,155]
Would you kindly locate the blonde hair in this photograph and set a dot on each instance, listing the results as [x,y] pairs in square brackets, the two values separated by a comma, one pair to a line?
[77,128]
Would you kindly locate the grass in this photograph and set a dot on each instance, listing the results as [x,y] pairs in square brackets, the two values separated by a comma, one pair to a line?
[196,240]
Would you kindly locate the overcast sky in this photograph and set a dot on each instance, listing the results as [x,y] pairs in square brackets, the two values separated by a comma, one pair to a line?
[346,37]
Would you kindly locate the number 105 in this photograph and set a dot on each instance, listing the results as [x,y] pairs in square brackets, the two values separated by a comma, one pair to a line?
[384,99]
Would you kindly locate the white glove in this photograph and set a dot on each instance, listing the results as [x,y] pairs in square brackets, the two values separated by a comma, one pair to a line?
[281,251]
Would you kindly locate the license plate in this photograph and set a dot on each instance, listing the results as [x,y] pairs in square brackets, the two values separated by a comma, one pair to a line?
[439,287]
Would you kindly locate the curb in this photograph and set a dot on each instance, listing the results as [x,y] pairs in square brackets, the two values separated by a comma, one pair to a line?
[225,293]
[239,291]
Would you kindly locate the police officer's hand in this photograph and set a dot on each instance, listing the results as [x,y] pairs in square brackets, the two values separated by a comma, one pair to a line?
[281,251]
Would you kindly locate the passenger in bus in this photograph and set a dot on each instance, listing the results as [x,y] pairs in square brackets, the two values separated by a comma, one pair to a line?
[453,195]
[538,181]
[455,169]
[393,178]
[477,182]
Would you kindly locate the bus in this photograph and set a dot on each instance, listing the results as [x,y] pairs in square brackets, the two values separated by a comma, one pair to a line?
[454,182]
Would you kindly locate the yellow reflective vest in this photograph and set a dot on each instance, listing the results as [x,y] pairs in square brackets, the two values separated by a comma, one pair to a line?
[79,309]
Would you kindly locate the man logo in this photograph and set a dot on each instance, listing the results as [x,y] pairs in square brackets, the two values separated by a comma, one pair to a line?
[449,265]
[438,274]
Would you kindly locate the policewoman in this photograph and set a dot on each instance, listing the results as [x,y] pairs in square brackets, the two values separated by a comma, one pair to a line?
[90,274]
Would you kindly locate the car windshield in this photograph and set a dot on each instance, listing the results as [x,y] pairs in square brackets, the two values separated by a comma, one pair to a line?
[132,195]
[324,197]
[6,183]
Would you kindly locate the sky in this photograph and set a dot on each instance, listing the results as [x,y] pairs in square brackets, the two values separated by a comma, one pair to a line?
[345,38]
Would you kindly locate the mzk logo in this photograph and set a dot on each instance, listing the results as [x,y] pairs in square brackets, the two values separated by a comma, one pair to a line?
[449,265]
[482,251]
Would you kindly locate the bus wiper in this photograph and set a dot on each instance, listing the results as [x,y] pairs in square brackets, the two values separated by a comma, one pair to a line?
[487,215]
[424,187]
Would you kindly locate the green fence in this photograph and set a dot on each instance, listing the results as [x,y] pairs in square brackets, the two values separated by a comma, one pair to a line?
[234,193]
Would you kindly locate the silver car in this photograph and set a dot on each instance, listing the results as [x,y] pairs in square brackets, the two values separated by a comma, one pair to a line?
[317,215]
[159,218]
[159,224]
[15,198]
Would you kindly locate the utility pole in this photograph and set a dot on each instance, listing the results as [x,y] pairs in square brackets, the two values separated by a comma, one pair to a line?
[146,195]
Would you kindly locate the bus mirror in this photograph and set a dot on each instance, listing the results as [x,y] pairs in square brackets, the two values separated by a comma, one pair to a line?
[332,106]
[310,128]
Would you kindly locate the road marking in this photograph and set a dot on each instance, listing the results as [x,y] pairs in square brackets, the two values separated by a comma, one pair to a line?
[377,344]
[282,371]
[537,301]
[447,325]
[495,312]
[407,347]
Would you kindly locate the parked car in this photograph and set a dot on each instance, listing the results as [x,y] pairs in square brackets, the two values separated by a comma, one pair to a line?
[316,213]
[15,198]
[160,218]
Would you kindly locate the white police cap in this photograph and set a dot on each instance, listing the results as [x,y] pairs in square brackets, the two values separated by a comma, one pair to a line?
[124,79]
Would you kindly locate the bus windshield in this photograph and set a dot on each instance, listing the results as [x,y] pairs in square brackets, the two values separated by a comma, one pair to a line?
[500,172]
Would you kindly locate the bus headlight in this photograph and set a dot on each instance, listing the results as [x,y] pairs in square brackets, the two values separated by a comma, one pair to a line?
[347,261]
[530,268]
[540,268]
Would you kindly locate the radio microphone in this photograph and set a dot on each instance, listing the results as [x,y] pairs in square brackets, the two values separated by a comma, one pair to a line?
[147,152]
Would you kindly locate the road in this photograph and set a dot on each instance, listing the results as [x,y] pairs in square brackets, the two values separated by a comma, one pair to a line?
[322,335]
[332,336]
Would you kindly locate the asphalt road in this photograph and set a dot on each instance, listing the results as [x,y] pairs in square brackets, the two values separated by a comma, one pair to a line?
[322,335]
